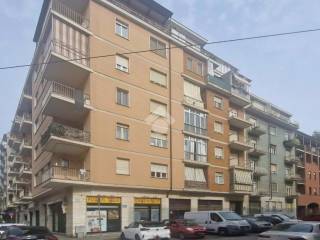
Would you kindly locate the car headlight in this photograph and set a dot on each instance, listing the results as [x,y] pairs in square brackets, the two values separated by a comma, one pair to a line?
[189,229]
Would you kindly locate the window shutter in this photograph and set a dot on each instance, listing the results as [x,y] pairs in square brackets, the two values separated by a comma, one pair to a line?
[158,108]
[192,90]
[122,166]
[158,78]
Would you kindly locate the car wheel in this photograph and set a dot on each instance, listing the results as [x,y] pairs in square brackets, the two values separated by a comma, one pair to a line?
[123,237]
[181,236]
[136,237]
[223,232]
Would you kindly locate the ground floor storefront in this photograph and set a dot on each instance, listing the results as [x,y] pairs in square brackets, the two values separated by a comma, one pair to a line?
[308,206]
[105,211]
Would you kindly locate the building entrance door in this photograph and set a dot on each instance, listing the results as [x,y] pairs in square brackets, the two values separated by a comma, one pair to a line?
[236,206]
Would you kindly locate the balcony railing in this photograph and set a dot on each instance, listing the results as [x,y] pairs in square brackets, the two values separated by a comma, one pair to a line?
[190,156]
[195,185]
[65,91]
[27,117]
[290,159]
[70,13]
[63,131]
[195,130]
[260,171]
[240,92]
[63,173]
[219,82]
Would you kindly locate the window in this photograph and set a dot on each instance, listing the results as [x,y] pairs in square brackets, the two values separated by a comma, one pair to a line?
[218,103]
[195,121]
[158,78]
[123,166]
[200,68]
[286,135]
[158,140]
[315,191]
[218,127]
[273,149]
[159,171]
[122,29]
[218,152]
[122,97]
[309,175]
[310,191]
[274,168]
[189,63]
[194,174]
[195,149]
[274,187]
[36,125]
[122,63]
[158,108]
[122,132]
[253,121]
[211,67]
[219,178]
[273,131]
[158,47]
[314,176]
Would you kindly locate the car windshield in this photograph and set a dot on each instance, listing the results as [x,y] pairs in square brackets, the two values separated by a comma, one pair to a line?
[304,228]
[283,217]
[152,224]
[15,232]
[36,230]
[189,223]
[231,216]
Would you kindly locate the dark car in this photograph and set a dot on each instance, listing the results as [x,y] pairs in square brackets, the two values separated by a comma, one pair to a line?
[184,228]
[258,226]
[274,220]
[27,232]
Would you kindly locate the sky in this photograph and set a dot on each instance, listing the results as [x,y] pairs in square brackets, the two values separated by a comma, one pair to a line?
[284,70]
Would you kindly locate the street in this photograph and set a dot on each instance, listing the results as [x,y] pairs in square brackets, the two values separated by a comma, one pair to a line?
[208,237]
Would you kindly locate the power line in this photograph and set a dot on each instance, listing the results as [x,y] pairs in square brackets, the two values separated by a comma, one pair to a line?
[166,48]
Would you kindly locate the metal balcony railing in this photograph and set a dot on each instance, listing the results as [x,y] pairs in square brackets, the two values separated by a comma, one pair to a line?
[70,13]
[240,92]
[195,130]
[63,131]
[193,102]
[65,91]
[190,156]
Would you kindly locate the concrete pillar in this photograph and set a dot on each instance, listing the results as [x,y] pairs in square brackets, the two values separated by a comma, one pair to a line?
[226,205]
[246,200]
[127,209]
[79,210]
[194,204]
[164,208]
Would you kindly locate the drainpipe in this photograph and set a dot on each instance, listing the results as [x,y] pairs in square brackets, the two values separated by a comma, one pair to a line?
[170,114]
[269,152]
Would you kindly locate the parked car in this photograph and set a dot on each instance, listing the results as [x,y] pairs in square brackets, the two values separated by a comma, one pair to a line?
[27,232]
[221,222]
[145,230]
[276,217]
[186,228]
[293,231]
[274,220]
[5,226]
[258,226]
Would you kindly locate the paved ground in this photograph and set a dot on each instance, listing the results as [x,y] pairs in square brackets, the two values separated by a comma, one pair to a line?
[209,237]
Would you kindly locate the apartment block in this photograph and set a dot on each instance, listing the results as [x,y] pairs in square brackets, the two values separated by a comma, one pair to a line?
[272,160]
[132,119]
[307,166]
[3,172]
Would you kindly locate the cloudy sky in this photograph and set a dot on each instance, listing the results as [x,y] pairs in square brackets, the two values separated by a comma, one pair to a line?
[284,70]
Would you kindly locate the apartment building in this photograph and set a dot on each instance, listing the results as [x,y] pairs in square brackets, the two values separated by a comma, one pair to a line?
[272,159]
[141,136]
[3,172]
[307,166]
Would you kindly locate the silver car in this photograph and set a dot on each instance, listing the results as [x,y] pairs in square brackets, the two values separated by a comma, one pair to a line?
[293,231]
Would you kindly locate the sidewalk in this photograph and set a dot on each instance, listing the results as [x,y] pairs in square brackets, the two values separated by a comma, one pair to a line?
[105,236]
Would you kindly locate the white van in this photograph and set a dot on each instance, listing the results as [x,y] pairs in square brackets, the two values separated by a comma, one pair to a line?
[221,222]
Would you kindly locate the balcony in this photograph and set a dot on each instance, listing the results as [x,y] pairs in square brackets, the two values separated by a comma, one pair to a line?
[195,103]
[289,144]
[21,181]
[241,180]
[195,159]
[26,123]
[238,144]
[219,83]
[13,171]
[291,194]
[63,139]
[25,172]
[76,16]
[257,131]
[256,151]
[16,123]
[238,122]
[16,143]
[259,172]
[292,177]
[26,147]
[17,162]
[57,174]
[300,164]
[195,130]
[290,159]
[195,185]
[62,100]
[25,196]
[260,192]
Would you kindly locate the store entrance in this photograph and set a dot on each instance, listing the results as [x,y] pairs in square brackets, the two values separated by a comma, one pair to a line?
[58,218]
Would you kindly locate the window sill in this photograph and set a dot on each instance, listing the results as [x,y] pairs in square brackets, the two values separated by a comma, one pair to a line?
[121,139]
[127,72]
